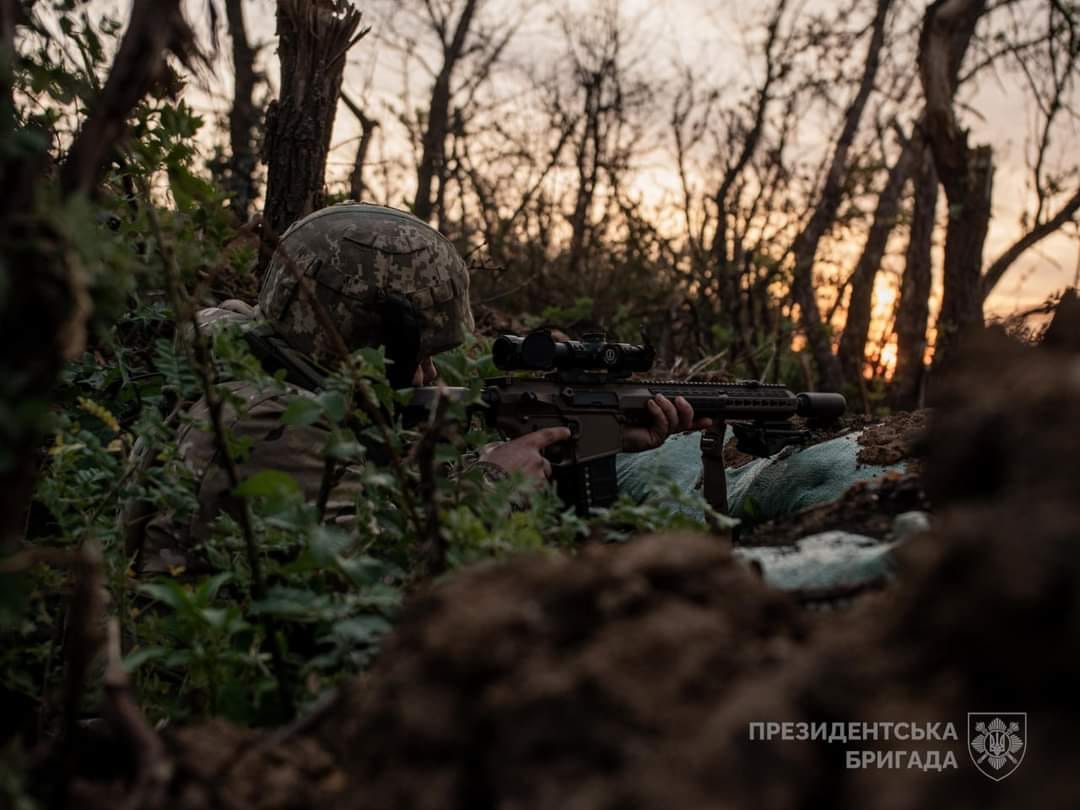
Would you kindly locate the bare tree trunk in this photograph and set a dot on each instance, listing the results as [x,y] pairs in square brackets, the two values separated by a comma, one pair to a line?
[46,305]
[313,41]
[243,117]
[913,310]
[966,173]
[588,159]
[724,265]
[857,325]
[806,243]
[438,122]
[367,130]
[969,222]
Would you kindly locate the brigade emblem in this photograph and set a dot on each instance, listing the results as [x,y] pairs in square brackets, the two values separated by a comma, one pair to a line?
[997,742]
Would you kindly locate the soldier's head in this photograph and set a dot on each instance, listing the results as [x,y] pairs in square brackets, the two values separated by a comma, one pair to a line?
[381,276]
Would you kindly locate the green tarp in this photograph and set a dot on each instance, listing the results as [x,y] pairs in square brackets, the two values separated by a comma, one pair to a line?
[765,488]
[794,479]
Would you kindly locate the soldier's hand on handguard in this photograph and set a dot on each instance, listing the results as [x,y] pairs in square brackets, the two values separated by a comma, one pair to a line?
[525,453]
[667,418]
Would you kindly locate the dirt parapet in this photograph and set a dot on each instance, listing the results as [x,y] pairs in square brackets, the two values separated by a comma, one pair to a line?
[550,682]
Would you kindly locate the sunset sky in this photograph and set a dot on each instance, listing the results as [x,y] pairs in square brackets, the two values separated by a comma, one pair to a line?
[720,40]
[719,37]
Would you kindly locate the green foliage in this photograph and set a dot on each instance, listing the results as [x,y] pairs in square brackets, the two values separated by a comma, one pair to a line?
[201,655]
[198,646]
[200,639]
[13,790]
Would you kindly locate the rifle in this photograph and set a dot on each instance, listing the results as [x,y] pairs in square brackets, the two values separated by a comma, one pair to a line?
[586,386]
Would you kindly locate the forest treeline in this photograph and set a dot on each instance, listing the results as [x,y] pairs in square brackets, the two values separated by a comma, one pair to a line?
[844,158]
[535,169]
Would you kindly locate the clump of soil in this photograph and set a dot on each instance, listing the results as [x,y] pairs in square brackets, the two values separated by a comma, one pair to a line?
[549,682]
[892,440]
[823,431]
[217,766]
[868,508]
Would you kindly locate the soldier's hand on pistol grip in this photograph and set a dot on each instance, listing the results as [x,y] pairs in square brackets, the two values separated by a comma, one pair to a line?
[525,453]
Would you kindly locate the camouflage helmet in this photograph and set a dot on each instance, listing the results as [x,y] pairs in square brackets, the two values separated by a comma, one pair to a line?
[359,257]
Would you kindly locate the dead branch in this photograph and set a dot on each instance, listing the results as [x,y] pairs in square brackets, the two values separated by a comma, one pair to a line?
[1002,263]
[85,632]
[367,131]
[153,768]
[433,550]
[156,26]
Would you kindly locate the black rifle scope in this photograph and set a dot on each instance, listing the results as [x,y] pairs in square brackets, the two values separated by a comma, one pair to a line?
[540,351]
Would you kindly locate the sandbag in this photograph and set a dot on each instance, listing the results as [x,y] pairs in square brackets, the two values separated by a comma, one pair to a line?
[763,489]
[823,564]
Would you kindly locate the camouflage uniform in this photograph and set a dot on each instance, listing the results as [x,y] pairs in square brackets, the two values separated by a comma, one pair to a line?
[373,271]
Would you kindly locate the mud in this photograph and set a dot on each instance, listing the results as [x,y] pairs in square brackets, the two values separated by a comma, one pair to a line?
[897,438]
[867,508]
[549,682]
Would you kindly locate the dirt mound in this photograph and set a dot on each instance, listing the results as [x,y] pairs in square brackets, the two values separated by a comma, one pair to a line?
[551,682]
[1006,426]
[892,440]
[867,508]
[217,766]
[815,434]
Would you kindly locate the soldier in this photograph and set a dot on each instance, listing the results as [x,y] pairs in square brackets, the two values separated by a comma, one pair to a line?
[381,277]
